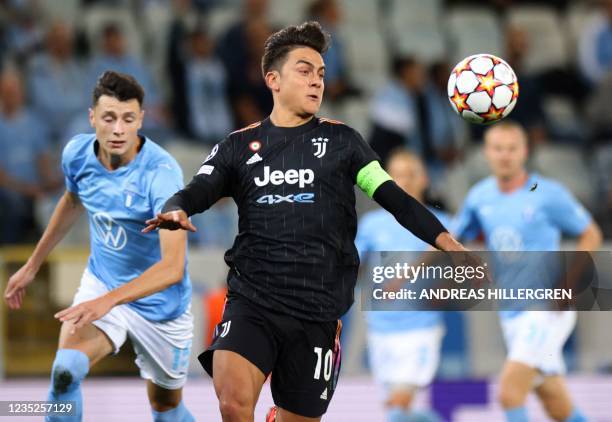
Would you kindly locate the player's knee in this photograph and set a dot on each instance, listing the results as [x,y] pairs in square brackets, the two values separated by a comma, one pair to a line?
[69,368]
[556,409]
[510,396]
[400,398]
[163,404]
[234,405]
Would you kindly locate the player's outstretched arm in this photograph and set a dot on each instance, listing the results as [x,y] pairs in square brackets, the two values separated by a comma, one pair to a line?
[166,272]
[66,213]
[171,220]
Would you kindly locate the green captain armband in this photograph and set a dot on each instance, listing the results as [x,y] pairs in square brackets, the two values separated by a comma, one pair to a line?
[370,177]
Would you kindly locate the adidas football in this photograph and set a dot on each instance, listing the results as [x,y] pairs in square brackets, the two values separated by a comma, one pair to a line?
[483,89]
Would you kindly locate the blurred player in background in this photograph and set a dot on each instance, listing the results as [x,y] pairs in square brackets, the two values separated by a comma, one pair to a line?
[134,285]
[293,265]
[404,346]
[519,211]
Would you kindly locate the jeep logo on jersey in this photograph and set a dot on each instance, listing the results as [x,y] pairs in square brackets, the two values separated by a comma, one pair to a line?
[302,177]
[321,145]
[111,233]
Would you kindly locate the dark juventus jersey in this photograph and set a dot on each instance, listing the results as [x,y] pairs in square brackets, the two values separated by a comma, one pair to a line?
[294,188]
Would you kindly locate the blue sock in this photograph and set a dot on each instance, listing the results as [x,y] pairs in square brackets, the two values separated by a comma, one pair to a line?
[516,414]
[178,414]
[69,369]
[397,414]
[576,416]
[423,416]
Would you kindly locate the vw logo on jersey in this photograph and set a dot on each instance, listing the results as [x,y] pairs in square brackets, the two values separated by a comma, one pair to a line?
[111,233]
[321,146]
[508,244]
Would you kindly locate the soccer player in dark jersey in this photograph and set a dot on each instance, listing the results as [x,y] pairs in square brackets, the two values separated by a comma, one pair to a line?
[293,265]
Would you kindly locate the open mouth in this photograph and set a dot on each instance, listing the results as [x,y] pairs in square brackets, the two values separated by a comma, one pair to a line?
[313,97]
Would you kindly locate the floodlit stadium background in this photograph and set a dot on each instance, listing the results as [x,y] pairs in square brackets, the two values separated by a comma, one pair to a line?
[566,82]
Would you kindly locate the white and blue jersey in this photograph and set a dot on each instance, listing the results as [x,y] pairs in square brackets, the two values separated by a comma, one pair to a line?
[117,203]
[522,220]
[379,231]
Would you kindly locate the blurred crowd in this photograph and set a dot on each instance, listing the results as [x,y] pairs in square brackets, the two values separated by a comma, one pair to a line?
[199,63]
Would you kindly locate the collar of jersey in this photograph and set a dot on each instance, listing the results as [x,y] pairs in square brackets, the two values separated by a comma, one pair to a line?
[272,130]
[531,179]
[129,165]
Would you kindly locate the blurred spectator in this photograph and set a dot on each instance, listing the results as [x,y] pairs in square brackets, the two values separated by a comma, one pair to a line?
[599,112]
[337,81]
[23,34]
[114,56]
[25,170]
[240,49]
[209,112]
[450,152]
[56,82]
[529,110]
[404,113]
[199,89]
[595,46]
[175,65]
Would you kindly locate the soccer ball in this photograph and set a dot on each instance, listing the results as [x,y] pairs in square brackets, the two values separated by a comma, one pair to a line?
[482,89]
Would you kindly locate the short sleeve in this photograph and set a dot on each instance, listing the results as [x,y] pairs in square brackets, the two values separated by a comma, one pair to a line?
[67,161]
[361,154]
[167,180]
[566,213]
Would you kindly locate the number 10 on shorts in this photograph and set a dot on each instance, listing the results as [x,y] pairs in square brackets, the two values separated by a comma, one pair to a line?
[327,369]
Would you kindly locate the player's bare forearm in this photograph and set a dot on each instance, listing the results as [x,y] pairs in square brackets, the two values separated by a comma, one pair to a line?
[590,239]
[446,242]
[66,213]
[166,272]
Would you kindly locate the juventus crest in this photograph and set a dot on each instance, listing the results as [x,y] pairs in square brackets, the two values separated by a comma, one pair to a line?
[321,146]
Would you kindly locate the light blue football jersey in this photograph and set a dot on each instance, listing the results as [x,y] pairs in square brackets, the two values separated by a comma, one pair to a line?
[118,203]
[379,231]
[522,220]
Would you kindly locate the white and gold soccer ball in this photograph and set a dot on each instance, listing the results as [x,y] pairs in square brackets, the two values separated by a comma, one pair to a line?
[483,89]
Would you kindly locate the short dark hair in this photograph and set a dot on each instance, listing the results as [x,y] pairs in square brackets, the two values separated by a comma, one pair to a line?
[278,45]
[399,63]
[118,85]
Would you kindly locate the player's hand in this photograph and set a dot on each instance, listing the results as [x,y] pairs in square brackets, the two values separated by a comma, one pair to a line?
[172,220]
[85,312]
[463,257]
[16,287]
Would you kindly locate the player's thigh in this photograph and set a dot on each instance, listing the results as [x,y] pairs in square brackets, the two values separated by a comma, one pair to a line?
[236,378]
[516,381]
[283,415]
[163,399]
[163,348]
[88,339]
[307,369]
[555,397]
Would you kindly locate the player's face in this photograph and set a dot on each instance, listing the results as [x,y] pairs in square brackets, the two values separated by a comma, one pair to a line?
[409,174]
[300,81]
[116,124]
[506,152]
